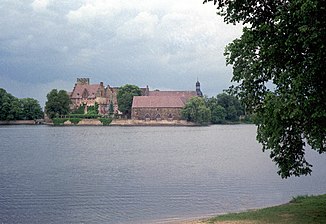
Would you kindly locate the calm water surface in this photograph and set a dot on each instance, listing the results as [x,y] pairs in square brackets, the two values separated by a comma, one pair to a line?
[139,174]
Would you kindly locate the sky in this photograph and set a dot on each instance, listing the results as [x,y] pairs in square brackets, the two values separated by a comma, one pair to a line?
[165,44]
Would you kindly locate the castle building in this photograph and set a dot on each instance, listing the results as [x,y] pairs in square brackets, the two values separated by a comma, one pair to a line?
[152,105]
[86,94]
[162,105]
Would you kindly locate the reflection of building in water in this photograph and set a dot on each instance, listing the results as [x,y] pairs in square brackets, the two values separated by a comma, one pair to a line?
[86,94]
[162,105]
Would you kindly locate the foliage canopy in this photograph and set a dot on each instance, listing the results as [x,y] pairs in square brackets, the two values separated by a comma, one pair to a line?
[279,63]
[12,108]
[196,111]
[30,109]
[125,97]
[57,104]
[224,108]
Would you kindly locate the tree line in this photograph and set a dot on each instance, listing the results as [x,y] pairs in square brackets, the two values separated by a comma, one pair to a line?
[223,108]
[12,108]
[220,109]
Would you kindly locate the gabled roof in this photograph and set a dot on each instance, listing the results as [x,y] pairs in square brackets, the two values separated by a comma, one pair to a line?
[157,102]
[186,94]
[161,99]
[79,90]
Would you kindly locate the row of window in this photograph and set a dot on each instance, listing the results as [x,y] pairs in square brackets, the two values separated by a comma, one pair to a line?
[158,117]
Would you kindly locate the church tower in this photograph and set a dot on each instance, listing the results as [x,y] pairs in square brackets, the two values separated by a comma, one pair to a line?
[198,91]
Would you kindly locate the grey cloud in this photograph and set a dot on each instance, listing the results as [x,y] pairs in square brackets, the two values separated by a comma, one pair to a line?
[164,44]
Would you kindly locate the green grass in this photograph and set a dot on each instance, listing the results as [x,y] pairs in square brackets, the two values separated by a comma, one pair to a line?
[301,209]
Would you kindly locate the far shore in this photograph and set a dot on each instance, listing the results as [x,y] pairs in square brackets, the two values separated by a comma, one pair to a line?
[96,122]
[127,122]
[130,122]
[115,122]
[22,122]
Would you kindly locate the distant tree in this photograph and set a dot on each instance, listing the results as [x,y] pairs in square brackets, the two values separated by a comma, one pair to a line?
[231,105]
[15,110]
[283,43]
[30,109]
[57,103]
[12,108]
[6,105]
[196,111]
[125,97]
[218,112]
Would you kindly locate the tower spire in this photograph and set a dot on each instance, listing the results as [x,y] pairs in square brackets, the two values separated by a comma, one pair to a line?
[198,91]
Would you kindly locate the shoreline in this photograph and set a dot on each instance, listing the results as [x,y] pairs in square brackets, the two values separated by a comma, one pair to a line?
[130,122]
[95,122]
[300,209]
[115,122]
[22,122]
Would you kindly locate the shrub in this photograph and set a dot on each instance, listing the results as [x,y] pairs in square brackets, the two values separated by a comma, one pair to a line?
[86,116]
[59,121]
[105,121]
[75,120]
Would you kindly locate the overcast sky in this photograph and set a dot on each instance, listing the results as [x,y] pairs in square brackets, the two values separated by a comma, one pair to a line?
[166,44]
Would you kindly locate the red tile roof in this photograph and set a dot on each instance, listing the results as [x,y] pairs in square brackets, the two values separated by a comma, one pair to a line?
[157,102]
[161,99]
[187,94]
[79,90]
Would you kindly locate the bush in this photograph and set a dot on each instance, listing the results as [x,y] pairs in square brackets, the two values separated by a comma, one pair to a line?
[75,120]
[86,116]
[105,121]
[59,121]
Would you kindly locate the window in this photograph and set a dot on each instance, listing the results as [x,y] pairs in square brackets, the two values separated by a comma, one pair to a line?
[147,117]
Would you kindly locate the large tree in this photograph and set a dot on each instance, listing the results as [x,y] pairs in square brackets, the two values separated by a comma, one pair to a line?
[57,104]
[12,108]
[125,97]
[279,63]
[218,112]
[30,109]
[196,111]
[232,106]
[4,104]
[9,106]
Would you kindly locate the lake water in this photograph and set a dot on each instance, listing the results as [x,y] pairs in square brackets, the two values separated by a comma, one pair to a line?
[139,174]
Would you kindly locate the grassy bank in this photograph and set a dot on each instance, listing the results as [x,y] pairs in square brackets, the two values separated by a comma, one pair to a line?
[302,209]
